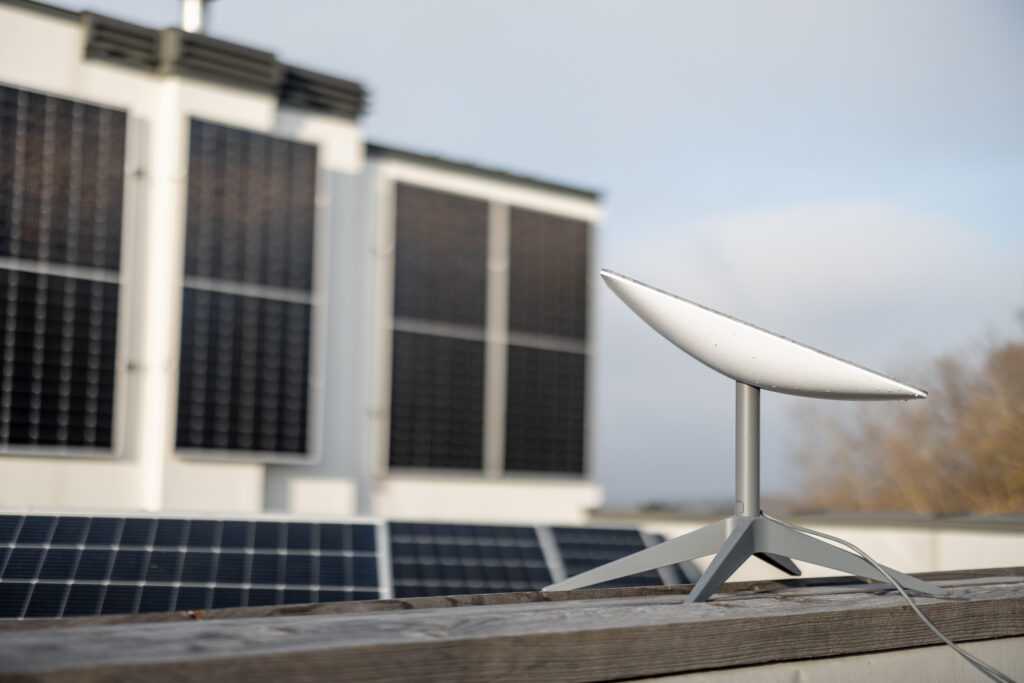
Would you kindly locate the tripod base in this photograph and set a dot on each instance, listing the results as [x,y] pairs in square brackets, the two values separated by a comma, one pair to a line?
[734,539]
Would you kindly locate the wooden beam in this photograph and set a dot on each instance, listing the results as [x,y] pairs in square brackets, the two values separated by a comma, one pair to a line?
[601,638]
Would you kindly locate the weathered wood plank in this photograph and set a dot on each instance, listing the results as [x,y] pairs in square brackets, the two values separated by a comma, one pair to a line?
[583,640]
[524,597]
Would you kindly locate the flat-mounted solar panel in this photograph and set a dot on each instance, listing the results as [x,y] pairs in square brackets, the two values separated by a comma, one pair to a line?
[54,566]
[544,426]
[248,304]
[437,391]
[547,274]
[61,192]
[440,256]
[583,548]
[453,559]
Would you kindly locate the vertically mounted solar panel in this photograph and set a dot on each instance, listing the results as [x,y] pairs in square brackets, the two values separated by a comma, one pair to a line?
[437,378]
[61,192]
[247,308]
[546,401]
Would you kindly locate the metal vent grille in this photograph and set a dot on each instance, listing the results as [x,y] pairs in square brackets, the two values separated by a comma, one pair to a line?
[119,41]
[309,89]
[198,55]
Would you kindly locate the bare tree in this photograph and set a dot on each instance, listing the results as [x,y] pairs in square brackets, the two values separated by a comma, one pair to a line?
[960,450]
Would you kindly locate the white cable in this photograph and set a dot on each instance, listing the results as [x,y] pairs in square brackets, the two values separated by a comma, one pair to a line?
[987,669]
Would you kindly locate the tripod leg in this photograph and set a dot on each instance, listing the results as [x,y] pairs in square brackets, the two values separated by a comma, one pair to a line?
[698,543]
[782,540]
[779,562]
[735,551]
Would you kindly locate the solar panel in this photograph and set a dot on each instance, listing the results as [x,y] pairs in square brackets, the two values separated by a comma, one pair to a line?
[585,548]
[452,559]
[437,390]
[547,274]
[248,304]
[61,566]
[440,256]
[61,188]
[544,427]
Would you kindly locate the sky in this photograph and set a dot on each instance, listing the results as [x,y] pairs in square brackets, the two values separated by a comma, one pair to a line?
[847,173]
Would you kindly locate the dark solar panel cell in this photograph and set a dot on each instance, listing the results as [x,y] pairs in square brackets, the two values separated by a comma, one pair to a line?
[9,525]
[47,600]
[266,568]
[365,595]
[269,535]
[203,533]
[83,599]
[364,571]
[94,565]
[335,596]
[163,566]
[119,599]
[231,567]
[333,570]
[296,596]
[129,565]
[192,597]
[156,599]
[69,531]
[547,274]
[23,563]
[36,530]
[103,531]
[197,567]
[59,563]
[236,534]
[436,402]
[300,536]
[170,533]
[364,538]
[298,569]
[243,379]
[13,596]
[250,207]
[332,536]
[227,597]
[137,532]
[263,596]
[545,410]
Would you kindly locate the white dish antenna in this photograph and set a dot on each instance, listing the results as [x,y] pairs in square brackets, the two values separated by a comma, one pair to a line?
[750,354]
[756,359]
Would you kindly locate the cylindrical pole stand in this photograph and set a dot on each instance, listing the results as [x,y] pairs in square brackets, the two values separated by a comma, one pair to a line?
[748,450]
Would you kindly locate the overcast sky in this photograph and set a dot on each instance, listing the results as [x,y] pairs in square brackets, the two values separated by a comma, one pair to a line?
[849,174]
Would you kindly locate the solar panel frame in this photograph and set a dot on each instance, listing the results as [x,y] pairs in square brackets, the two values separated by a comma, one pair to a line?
[62,200]
[162,564]
[228,194]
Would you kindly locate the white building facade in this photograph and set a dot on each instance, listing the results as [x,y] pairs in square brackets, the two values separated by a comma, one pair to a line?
[220,299]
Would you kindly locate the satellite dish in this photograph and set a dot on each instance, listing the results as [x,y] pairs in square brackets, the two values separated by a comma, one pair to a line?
[750,354]
[756,359]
